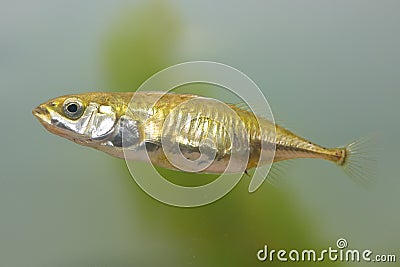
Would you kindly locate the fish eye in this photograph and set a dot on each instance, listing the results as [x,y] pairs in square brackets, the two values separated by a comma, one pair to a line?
[72,108]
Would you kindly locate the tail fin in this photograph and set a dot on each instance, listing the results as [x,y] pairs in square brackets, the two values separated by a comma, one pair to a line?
[359,161]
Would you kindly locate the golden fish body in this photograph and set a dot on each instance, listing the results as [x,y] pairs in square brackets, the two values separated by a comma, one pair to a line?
[169,126]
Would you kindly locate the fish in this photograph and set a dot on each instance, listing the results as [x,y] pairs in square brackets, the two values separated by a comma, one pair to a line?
[159,126]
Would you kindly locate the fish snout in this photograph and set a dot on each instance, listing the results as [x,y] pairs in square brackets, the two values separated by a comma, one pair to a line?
[41,112]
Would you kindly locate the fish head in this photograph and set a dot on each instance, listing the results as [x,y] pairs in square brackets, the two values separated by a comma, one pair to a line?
[81,118]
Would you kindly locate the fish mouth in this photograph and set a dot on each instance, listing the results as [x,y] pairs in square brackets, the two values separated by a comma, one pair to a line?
[44,115]
[41,113]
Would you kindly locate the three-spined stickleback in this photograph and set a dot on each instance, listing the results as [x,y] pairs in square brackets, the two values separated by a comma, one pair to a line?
[111,122]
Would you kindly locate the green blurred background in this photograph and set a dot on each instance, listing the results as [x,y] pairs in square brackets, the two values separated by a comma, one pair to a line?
[330,70]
